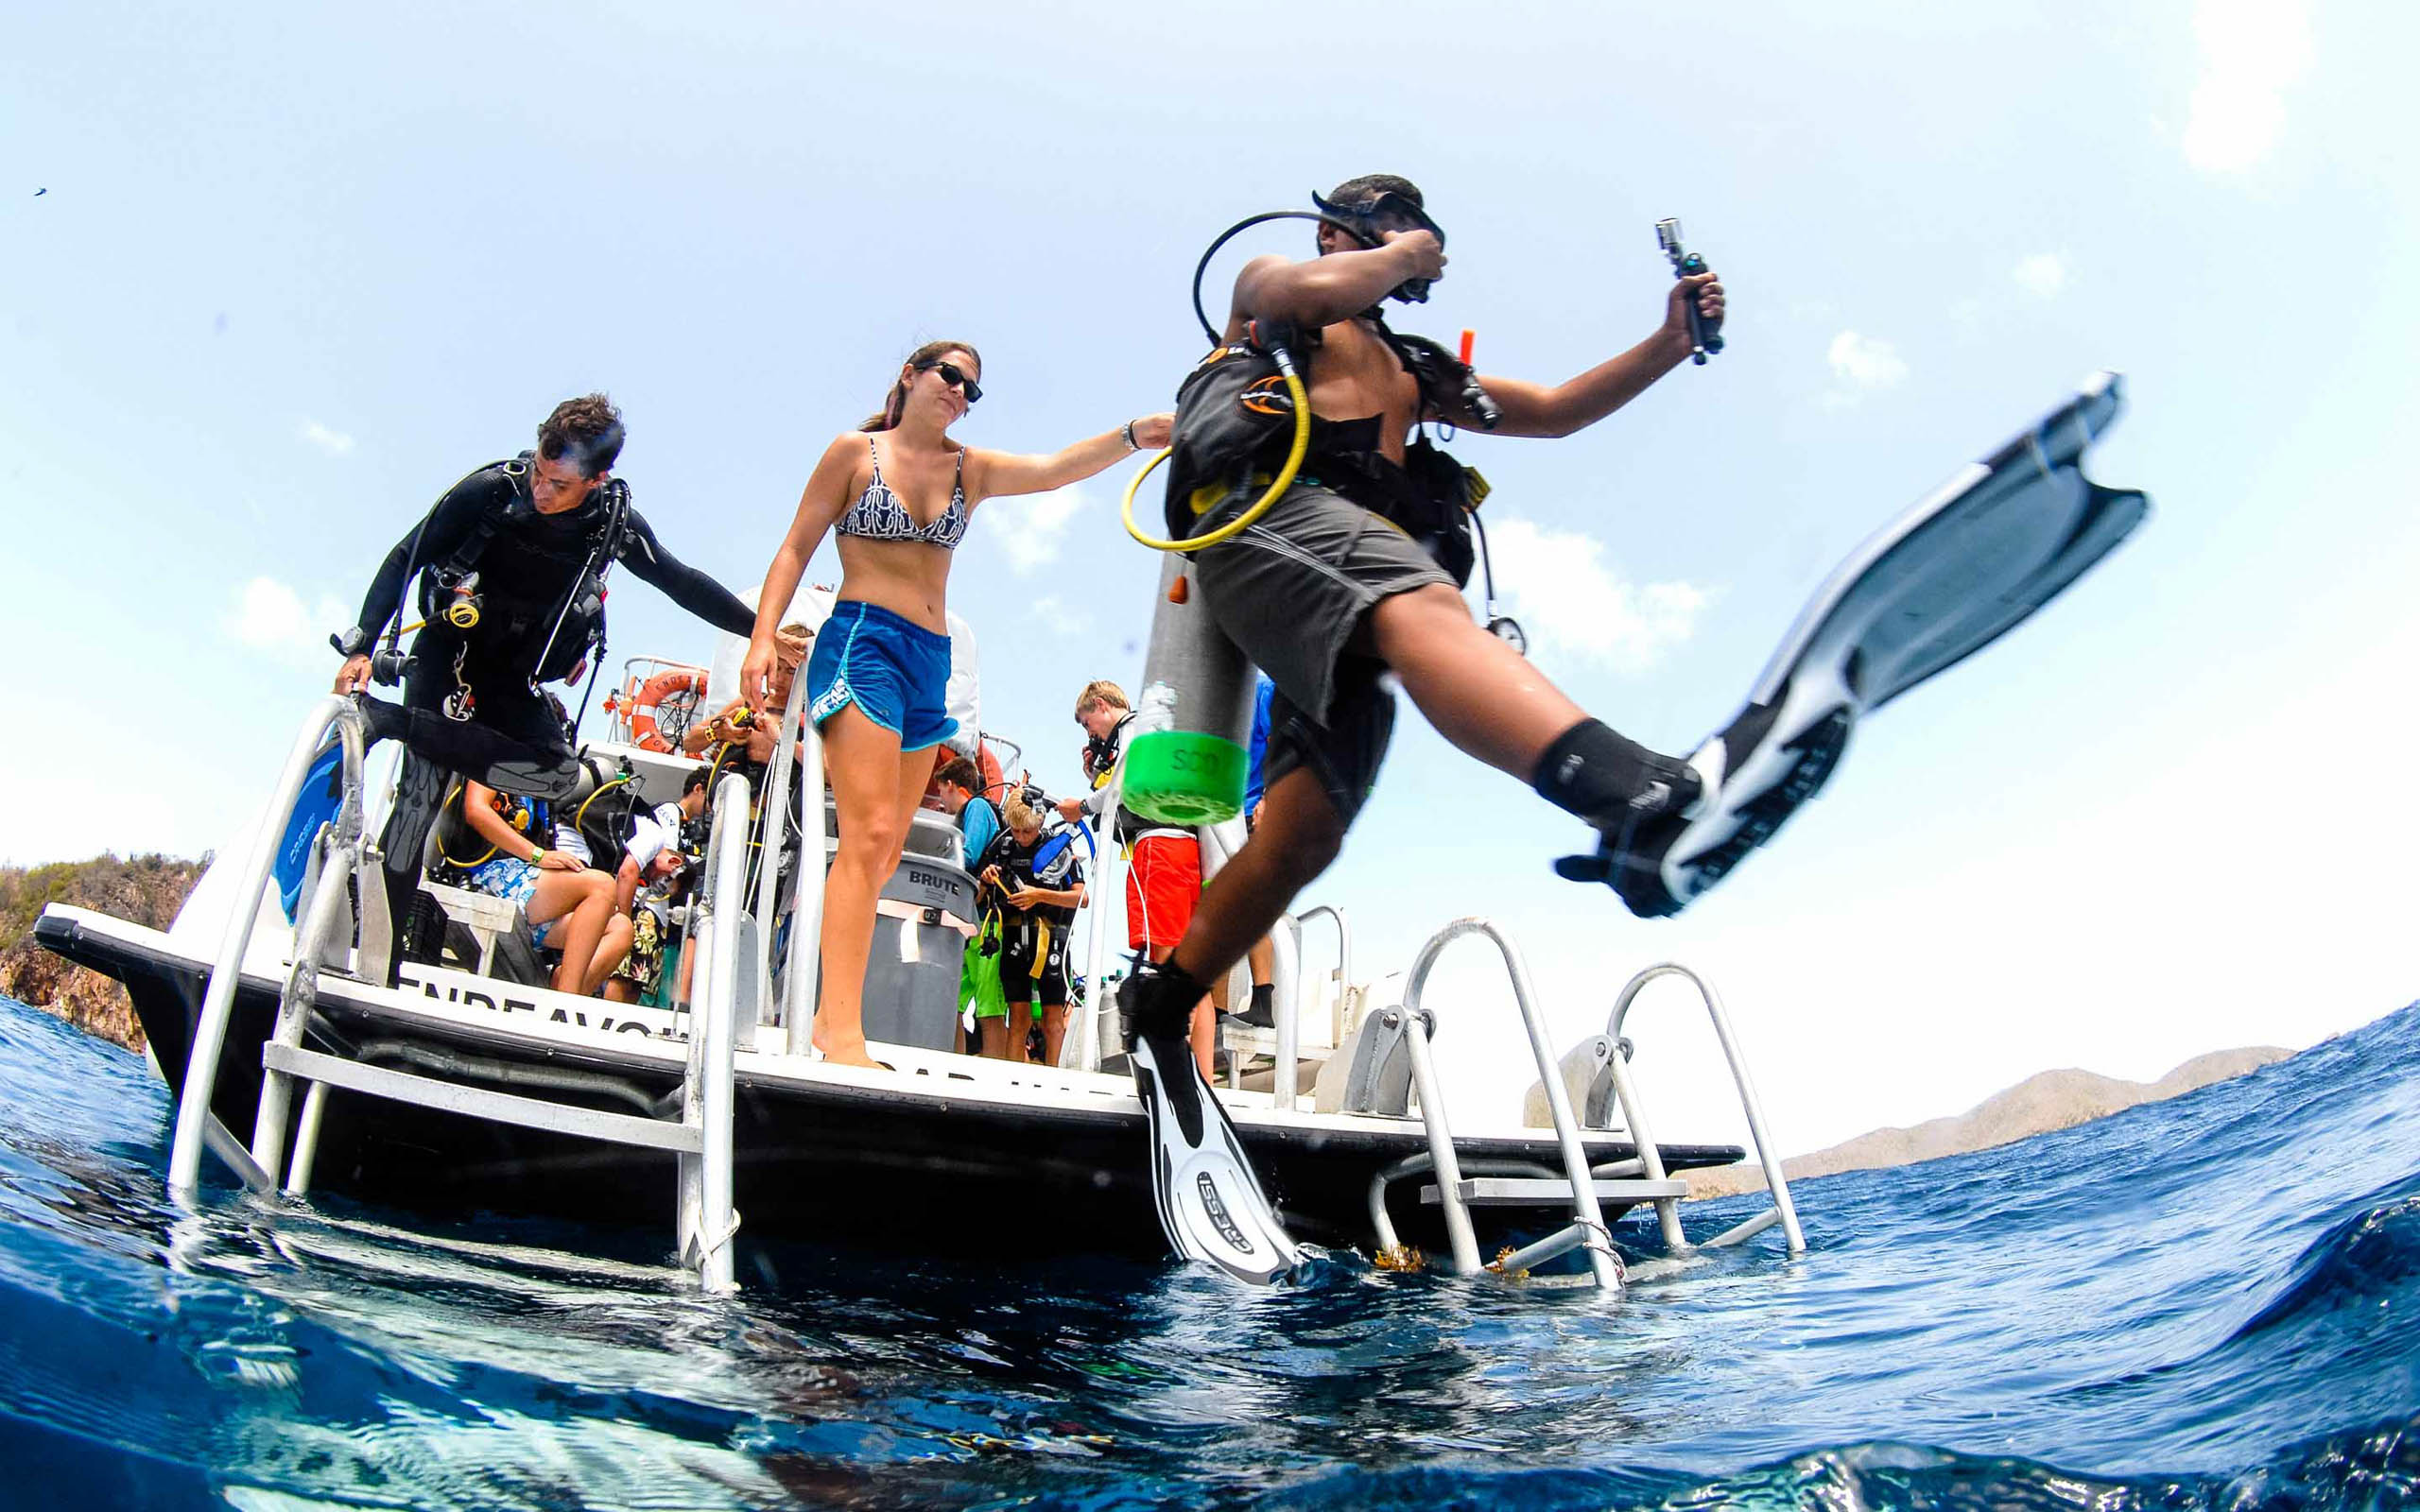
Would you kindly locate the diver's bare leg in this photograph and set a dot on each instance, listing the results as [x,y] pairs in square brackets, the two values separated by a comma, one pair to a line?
[1489,699]
[1204,1034]
[1300,833]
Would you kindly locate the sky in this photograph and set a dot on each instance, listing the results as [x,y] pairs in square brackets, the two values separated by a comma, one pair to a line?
[272,277]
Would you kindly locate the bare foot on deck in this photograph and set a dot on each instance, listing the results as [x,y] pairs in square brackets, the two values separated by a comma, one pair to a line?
[849,1051]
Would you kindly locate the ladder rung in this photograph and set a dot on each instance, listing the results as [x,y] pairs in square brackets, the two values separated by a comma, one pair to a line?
[501,1108]
[1543,1192]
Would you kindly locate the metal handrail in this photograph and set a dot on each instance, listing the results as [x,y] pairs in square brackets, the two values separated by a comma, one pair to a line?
[1085,1045]
[1587,1214]
[774,827]
[1343,957]
[302,993]
[1634,1115]
[706,1221]
[807,894]
[226,973]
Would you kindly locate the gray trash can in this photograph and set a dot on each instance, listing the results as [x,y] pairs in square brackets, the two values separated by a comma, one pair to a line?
[921,928]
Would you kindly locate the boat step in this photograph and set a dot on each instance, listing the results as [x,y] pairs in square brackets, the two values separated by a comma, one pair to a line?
[1551,1192]
[503,1107]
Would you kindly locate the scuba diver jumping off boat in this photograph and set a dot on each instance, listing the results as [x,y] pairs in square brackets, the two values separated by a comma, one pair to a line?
[1330,540]
[1355,571]
[512,562]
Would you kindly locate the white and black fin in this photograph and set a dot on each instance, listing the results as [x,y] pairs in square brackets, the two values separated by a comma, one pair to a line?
[1966,565]
[1210,1202]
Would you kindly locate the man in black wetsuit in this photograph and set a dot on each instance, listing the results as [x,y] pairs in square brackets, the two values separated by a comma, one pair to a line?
[528,543]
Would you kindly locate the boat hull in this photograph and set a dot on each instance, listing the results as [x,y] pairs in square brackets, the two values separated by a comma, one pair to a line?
[912,1159]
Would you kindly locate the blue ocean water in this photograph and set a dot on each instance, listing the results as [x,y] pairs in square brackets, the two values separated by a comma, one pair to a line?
[2213,1302]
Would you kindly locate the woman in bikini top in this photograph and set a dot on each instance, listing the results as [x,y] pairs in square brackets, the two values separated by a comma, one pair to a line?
[875,685]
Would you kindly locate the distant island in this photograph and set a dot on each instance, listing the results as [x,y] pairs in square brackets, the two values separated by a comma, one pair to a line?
[2050,1100]
[146,890]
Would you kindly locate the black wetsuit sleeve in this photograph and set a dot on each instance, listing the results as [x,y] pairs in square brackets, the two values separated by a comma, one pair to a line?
[446,526]
[683,584]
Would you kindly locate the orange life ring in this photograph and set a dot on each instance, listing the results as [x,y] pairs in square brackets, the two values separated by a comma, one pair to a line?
[664,685]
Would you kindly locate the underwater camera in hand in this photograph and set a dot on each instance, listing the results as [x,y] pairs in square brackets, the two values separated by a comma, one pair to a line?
[1703,338]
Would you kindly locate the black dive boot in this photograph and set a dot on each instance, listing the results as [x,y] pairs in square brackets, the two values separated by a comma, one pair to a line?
[1157,1002]
[1678,836]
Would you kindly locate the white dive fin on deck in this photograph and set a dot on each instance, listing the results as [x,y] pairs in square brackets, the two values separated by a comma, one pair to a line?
[1210,1202]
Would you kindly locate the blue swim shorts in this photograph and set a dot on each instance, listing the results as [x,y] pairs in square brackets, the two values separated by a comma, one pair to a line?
[515,881]
[894,670]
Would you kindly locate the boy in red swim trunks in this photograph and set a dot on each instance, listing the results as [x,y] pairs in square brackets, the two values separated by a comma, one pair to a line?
[1164,874]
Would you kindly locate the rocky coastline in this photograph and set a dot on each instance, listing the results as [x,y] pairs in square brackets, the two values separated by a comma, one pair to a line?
[145,890]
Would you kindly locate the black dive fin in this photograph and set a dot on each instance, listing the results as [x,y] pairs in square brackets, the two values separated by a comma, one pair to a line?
[1210,1202]
[1962,567]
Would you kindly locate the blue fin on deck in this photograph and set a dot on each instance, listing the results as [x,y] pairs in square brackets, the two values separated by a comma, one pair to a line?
[322,794]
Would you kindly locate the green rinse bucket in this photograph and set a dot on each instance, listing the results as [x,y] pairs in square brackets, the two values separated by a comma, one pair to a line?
[1182,777]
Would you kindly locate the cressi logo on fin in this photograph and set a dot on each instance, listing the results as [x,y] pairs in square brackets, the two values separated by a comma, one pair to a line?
[1216,1209]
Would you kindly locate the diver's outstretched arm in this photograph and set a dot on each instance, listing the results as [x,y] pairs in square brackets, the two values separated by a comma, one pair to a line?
[1336,287]
[686,586]
[993,474]
[1540,409]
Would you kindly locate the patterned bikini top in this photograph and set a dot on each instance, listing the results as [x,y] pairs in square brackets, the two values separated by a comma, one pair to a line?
[881,515]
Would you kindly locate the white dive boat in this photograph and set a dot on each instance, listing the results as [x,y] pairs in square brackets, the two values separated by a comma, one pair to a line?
[463,1088]
[471,1086]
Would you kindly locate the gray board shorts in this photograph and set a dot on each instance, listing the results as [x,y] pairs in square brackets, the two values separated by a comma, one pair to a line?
[1292,592]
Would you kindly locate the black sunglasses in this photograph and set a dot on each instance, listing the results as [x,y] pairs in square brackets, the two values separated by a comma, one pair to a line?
[956,379]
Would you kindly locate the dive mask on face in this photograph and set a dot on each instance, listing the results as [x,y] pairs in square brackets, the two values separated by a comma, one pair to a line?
[1388,211]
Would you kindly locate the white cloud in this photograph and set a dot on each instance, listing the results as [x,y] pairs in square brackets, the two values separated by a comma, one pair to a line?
[1064,620]
[1860,363]
[1030,528]
[1865,361]
[333,443]
[2043,275]
[2251,51]
[271,617]
[1569,598]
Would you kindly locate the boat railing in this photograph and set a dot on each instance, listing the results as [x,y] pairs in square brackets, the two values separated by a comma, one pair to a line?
[1625,1088]
[1416,1023]
[1299,995]
[1080,1051]
[322,940]
[779,804]
[342,846]
[806,880]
